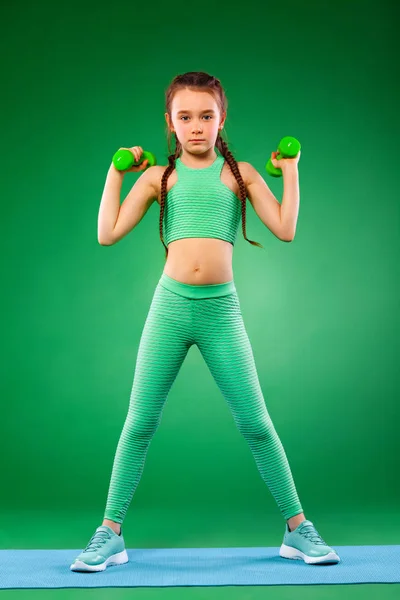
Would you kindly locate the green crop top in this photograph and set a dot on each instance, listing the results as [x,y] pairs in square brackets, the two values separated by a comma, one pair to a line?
[200,205]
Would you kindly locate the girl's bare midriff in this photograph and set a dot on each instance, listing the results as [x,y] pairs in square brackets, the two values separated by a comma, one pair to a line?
[200,261]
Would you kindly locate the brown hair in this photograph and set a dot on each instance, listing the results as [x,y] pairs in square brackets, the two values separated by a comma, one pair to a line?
[200,81]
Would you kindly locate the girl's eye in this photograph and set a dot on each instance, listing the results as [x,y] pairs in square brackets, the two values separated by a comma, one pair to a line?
[204,115]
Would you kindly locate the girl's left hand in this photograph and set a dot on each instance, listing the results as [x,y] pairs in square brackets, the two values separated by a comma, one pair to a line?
[284,162]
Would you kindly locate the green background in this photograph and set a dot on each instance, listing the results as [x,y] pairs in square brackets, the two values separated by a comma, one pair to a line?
[321,312]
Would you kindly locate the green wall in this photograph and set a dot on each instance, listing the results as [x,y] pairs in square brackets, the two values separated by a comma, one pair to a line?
[82,80]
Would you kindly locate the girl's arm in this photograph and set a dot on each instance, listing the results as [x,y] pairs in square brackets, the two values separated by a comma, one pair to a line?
[117,220]
[109,205]
[266,206]
[291,199]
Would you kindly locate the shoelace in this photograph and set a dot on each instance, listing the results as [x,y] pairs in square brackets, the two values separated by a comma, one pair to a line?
[97,540]
[310,533]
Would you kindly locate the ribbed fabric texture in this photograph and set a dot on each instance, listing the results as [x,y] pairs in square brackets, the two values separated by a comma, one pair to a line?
[175,322]
[200,205]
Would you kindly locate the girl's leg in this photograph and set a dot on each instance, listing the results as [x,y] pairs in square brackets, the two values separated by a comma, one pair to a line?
[164,343]
[222,339]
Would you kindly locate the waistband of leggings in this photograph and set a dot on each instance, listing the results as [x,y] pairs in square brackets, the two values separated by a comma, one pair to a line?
[213,290]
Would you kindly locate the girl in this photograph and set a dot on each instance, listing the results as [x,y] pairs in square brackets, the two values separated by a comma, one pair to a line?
[202,196]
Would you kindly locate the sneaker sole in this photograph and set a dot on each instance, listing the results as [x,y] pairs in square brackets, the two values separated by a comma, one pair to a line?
[293,553]
[115,559]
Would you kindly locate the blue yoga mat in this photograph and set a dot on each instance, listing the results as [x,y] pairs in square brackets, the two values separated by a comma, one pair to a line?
[164,567]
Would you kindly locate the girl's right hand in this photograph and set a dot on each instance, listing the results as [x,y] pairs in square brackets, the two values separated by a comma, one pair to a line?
[137,152]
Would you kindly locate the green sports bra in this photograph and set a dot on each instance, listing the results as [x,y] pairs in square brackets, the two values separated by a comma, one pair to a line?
[200,205]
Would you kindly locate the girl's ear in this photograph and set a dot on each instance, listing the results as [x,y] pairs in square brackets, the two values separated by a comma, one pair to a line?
[169,123]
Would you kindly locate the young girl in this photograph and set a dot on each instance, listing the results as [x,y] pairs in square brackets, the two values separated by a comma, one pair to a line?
[202,195]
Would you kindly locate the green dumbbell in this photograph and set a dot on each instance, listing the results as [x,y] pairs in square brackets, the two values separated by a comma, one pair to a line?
[124,159]
[288,148]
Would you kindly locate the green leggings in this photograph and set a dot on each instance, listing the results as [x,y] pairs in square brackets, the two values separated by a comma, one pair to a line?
[210,317]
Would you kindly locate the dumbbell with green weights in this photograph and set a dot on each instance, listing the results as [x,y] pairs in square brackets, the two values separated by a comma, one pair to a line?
[124,159]
[288,148]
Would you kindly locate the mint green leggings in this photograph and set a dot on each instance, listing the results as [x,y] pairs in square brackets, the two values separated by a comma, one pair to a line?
[210,317]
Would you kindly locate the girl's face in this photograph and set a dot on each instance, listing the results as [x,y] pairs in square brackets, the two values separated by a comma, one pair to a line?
[195,115]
